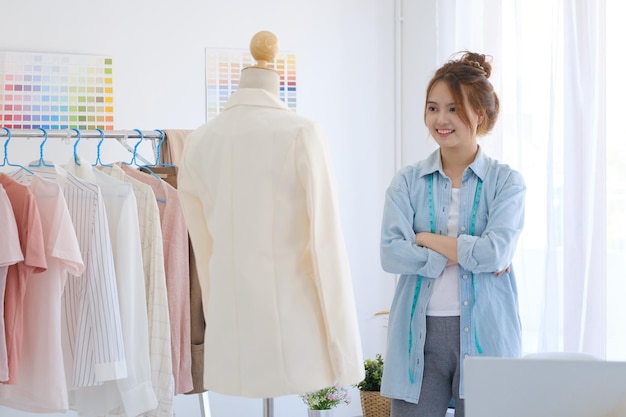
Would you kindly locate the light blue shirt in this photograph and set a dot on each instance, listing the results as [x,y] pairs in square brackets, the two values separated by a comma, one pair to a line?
[489,319]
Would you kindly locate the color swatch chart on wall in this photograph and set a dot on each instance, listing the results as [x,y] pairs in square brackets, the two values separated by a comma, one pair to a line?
[55,91]
[223,72]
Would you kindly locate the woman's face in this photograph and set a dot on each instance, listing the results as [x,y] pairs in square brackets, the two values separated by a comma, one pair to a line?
[443,121]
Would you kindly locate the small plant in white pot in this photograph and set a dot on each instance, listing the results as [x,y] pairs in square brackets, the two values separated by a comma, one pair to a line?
[321,403]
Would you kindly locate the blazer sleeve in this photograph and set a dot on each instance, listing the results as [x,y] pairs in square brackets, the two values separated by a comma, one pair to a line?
[193,211]
[330,261]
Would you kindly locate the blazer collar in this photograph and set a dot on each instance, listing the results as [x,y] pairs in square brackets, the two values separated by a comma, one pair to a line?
[254,97]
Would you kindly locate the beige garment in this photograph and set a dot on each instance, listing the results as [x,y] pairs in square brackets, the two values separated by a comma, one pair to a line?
[173,145]
[171,153]
[258,192]
[197,327]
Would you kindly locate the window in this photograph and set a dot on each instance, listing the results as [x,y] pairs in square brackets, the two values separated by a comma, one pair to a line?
[557,70]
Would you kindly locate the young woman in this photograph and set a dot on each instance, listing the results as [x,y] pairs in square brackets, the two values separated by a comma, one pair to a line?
[450,227]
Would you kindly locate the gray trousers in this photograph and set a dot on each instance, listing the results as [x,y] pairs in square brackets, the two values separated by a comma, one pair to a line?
[441,372]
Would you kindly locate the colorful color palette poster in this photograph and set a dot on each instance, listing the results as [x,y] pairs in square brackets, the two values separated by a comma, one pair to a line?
[55,91]
[223,71]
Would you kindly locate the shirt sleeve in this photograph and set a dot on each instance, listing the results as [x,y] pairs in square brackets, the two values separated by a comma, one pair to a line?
[65,247]
[10,251]
[399,253]
[493,250]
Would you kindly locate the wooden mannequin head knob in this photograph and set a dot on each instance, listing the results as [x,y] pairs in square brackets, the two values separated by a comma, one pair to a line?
[264,47]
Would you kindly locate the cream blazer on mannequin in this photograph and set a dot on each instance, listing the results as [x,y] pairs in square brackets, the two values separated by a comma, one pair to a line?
[258,192]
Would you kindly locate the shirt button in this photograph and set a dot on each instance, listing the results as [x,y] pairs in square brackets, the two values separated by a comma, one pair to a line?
[464,276]
[462,228]
[465,303]
[466,329]
[466,356]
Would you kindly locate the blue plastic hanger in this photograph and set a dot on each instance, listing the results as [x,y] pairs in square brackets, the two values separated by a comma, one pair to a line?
[133,161]
[146,167]
[41,161]
[158,163]
[76,161]
[6,162]
[98,160]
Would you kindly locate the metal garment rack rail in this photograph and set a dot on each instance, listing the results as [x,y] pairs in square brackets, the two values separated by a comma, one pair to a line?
[85,134]
[67,134]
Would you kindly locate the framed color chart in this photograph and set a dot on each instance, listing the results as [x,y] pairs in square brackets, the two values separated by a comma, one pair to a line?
[223,71]
[55,91]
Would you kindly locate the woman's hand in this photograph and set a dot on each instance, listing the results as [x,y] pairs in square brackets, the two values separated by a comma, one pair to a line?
[507,270]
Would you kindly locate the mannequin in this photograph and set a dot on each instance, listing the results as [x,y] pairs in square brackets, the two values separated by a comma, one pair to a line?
[258,193]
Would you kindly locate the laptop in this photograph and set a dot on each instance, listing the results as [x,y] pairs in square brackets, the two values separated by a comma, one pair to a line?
[544,387]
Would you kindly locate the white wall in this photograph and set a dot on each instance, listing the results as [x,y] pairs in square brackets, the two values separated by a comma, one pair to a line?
[418,65]
[345,69]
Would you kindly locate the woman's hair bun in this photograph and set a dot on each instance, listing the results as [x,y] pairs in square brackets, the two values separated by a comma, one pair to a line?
[478,61]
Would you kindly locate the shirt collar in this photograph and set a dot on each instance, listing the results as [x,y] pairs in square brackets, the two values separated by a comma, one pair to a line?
[254,97]
[478,166]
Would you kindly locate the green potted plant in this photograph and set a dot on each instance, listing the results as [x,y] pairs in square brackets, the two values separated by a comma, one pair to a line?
[321,403]
[372,403]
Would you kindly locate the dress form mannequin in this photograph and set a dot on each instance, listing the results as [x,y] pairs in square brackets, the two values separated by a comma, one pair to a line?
[263,47]
[258,191]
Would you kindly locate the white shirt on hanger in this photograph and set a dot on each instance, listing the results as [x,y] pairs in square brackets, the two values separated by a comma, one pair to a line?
[156,291]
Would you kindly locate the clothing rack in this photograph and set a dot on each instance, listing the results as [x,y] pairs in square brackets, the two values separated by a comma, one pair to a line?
[121,136]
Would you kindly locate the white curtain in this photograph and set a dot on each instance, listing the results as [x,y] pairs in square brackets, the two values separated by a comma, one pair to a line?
[550,70]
